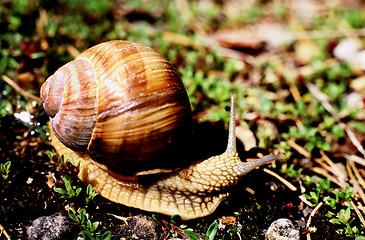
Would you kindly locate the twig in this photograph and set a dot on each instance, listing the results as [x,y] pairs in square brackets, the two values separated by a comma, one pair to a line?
[180,39]
[334,168]
[351,165]
[362,220]
[3,231]
[304,199]
[324,173]
[357,174]
[313,213]
[20,90]
[295,92]
[300,149]
[286,183]
[361,207]
[356,159]
[327,34]
[328,165]
[323,98]
[124,219]
[289,185]
[250,190]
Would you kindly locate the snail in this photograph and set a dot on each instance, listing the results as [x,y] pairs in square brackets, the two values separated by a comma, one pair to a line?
[121,110]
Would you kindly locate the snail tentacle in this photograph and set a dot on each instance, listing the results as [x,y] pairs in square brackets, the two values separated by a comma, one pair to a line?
[231,146]
[244,167]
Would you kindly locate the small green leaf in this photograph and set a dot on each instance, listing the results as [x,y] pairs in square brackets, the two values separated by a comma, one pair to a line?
[190,234]
[60,191]
[73,217]
[78,191]
[175,219]
[49,154]
[87,235]
[157,219]
[7,165]
[212,231]
[68,185]
[94,226]
[335,221]
[106,236]
[89,189]
[82,218]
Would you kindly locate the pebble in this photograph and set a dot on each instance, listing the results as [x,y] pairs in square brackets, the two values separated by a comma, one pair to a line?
[56,226]
[282,229]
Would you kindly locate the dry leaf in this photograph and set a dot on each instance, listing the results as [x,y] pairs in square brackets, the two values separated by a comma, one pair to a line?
[51,181]
[252,37]
[26,81]
[227,220]
[246,136]
[236,38]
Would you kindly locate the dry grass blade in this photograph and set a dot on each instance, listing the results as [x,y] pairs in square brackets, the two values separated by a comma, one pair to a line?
[304,199]
[334,168]
[353,138]
[124,219]
[361,217]
[338,179]
[288,184]
[361,207]
[300,149]
[315,210]
[20,90]
[327,34]
[355,183]
[250,190]
[324,173]
[180,39]
[356,159]
[327,163]
[323,98]
[3,231]
[357,174]
[295,92]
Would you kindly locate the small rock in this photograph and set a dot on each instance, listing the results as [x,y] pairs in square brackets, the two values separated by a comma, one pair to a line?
[282,229]
[142,227]
[56,226]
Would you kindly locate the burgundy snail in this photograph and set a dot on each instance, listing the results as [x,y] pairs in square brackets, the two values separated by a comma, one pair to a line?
[121,110]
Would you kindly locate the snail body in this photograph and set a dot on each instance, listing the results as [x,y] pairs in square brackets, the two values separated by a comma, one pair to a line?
[121,111]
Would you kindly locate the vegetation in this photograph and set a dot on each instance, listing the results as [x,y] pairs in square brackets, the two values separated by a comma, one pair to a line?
[299,80]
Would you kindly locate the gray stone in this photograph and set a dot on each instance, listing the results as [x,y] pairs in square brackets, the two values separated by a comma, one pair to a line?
[282,229]
[56,226]
[142,227]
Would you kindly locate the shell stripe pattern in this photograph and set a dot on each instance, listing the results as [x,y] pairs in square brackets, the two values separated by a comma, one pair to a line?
[118,97]
[137,92]
[76,114]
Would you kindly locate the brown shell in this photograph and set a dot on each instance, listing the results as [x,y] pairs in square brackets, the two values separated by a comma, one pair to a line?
[123,103]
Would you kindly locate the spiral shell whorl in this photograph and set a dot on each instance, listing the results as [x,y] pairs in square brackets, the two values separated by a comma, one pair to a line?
[132,101]
[73,89]
[52,93]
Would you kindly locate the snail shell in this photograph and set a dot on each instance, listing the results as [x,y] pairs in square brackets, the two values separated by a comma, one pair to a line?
[120,108]
[122,103]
